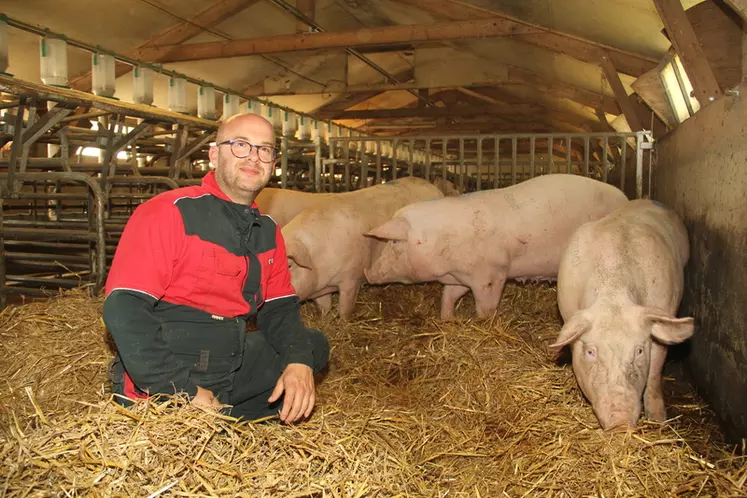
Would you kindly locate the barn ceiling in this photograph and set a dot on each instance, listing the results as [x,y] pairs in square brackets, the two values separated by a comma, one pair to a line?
[465,66]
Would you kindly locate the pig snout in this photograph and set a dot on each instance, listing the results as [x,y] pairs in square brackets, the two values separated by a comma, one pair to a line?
[373,276]
[617,416]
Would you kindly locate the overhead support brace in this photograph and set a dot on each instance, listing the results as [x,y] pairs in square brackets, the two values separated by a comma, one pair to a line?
[686,44]
[180,33]
[620,94]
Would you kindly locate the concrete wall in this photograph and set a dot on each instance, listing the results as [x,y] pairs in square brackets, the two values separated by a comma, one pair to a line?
[702,174]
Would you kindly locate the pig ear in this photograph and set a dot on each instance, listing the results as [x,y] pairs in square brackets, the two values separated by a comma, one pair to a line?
[666,329]
[299,254]
[394,229]
[574,328]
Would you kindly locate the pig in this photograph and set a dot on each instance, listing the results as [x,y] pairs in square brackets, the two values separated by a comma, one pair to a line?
[447,187]
[282,205]
[327,249]
[619,286]
[476,241]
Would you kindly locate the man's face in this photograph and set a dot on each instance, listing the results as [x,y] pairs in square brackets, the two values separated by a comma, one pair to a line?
[242,178]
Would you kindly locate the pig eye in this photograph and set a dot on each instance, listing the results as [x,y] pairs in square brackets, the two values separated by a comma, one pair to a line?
[590,352]
[639,350]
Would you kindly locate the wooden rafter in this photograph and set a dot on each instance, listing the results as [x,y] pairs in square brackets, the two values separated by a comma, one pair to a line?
[308,8]
[740,7]
[686,44]
[348,100]
[413,112]
[622,97]
[548,109]
[494,27]
[180,33]
[516,76]
[555,40]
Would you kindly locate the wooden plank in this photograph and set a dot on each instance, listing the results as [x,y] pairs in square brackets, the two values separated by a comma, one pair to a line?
[558,41]
[563,90]
[651,89]
[739,6]
[686,44]
[719,32]
[516,76]
[180,33]
[549,107]
[413,112]
[478,95]
[622,97]
[364,37]
[307,8]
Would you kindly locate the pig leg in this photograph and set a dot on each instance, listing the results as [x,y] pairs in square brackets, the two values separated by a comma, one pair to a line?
[487,296]
[653,399]
[449,297]
[324,303]
[348,296]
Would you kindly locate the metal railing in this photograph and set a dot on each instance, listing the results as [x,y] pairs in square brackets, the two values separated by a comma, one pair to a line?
[474,162]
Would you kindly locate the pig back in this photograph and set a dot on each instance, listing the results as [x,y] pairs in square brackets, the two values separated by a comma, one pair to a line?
[638,251]
[282,205]
[537,218]
[333,231]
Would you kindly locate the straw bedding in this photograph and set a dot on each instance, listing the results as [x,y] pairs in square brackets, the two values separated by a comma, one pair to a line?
[411,406]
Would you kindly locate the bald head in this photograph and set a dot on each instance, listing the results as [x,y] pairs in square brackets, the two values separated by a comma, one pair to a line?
[238,123]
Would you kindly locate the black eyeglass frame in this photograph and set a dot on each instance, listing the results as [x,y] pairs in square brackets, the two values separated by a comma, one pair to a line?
[251,148]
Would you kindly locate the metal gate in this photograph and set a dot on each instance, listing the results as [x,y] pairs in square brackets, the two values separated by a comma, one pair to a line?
[475,162]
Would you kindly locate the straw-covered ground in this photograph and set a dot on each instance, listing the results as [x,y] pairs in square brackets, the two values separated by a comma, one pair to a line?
[411,406]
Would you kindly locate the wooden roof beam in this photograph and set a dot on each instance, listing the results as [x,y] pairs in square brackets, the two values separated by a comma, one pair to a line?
[622,97]
[412,112]
[307,8]
[184,31]
[490,27]
[516,76]
[558,41]
[549,109]
[363,37]
[740,7]
[686,44]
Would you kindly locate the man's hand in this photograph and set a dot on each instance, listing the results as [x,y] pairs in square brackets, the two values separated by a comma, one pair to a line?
[206,398]
[298,383]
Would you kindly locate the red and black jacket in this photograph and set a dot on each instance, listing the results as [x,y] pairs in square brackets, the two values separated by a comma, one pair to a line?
[191,255]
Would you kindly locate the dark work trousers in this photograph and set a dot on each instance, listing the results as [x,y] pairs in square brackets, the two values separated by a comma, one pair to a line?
[241,368]
[259,372]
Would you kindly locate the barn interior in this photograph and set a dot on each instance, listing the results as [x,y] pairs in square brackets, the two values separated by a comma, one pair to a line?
[104,105]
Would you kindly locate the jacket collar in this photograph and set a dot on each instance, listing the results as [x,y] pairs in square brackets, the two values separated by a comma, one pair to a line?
[210,184]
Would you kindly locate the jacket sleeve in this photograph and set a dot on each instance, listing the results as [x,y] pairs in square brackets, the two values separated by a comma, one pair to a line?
[140,273]
[280,314]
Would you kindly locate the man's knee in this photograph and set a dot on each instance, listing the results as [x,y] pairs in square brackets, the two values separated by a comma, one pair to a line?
[320,345]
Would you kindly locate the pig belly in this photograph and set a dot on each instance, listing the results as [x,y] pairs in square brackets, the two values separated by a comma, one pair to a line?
[323,292]
[536,266]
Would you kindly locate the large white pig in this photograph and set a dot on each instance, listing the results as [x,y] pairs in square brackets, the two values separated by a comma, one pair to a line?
[478,240]
[619,286]
[282,205]
[326,245]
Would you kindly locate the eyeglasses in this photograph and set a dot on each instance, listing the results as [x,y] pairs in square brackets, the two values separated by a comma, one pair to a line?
[242,148]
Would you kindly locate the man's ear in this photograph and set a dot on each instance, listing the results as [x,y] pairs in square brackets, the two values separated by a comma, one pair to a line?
[213,156]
